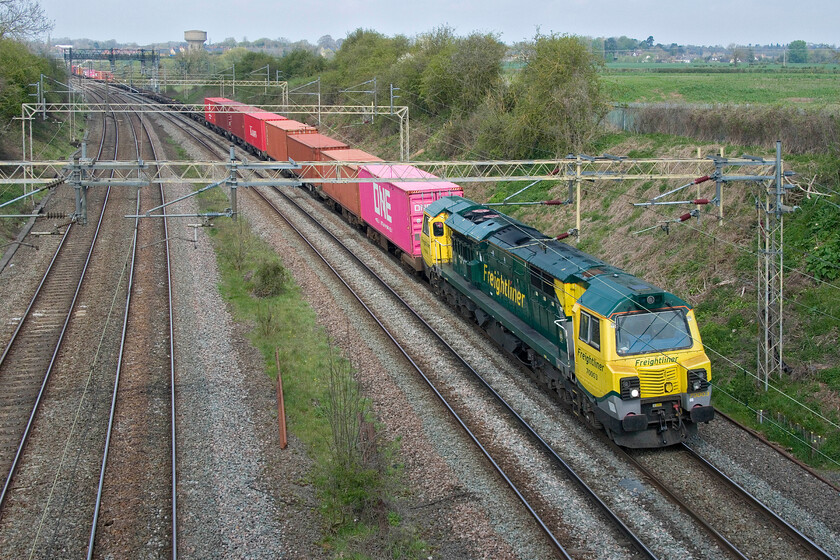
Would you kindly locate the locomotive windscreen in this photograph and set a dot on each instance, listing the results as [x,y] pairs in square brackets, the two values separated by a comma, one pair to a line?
[644,333]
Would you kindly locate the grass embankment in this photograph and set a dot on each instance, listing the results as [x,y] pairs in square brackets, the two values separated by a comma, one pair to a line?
[354,474]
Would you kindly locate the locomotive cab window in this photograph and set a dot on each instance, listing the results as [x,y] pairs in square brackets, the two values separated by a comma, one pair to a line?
[659,331]
[425,225]
[590,330]
[437,229]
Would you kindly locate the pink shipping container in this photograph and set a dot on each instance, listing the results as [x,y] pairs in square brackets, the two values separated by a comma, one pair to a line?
[346,194]
[394,208]
[307,147]
[277,133]
[255,127]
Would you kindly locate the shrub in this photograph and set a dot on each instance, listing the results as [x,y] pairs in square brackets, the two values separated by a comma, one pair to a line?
[270,279]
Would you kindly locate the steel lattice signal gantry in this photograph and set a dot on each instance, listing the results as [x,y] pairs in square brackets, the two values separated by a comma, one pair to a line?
[571,171]
[113,55]
[30,110]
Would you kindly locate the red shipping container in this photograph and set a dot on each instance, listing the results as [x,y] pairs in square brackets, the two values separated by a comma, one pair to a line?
[394,208]
[212,105]
[227,115]
[307,147]
[276,137]
[255,127]
[346,194]
[237,120]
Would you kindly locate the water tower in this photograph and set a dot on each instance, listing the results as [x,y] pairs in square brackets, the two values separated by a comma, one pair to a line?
[195,39]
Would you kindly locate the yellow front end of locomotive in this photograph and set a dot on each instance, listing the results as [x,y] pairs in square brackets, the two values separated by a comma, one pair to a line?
[669,364]
[436,240]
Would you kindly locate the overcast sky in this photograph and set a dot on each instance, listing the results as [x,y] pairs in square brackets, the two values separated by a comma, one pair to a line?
[698,22]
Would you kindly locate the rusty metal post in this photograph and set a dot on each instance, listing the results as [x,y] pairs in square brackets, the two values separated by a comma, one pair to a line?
[281,407]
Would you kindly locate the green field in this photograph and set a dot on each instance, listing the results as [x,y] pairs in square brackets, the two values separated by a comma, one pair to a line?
[799,88]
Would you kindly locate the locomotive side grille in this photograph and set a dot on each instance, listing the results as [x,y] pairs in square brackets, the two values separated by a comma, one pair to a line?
[655,381]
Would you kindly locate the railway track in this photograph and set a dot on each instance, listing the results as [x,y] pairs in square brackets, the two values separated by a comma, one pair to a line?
[635,547]
[757,436]
[740,523]
[735,552]
[504,461]
[136,503]
[30,355]
[48,512]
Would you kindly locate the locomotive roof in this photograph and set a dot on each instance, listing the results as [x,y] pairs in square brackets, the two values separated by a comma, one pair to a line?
[609,289]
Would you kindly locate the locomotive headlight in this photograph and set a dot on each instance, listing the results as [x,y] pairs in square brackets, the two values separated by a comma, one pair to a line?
[697,380]
[630,388]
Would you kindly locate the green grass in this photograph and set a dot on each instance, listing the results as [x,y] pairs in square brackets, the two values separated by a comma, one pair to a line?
[811,89]
[286,323]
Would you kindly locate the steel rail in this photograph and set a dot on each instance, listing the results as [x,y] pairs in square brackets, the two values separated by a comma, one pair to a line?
[635,541]
[173,446]
[120,355]
[419,370]
[35,295]
[173,439]
[653,479]
[171,360]
[803,539]
[113,409]
[778,449]
[25,436]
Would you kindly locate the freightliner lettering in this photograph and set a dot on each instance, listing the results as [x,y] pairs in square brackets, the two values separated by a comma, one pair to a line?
[503,287]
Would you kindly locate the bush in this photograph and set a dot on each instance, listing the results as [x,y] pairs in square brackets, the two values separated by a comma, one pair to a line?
[270,279]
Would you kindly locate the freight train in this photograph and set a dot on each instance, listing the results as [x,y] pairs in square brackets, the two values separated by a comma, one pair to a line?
[101,75]
[623,354]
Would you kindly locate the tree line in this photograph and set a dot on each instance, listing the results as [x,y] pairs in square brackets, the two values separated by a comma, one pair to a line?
[20,67]
[548,101]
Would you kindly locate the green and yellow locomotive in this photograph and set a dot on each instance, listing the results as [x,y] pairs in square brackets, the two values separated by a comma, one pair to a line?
[625,355]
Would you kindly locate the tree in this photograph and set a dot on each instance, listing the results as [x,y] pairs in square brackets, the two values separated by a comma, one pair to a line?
[561,102]
[741,54]
[19,68]
[798,51]
[20,19]
[300,64]
[649,41]
[461,72]
[365,54]
[193,62]
[610,47]
[327,42]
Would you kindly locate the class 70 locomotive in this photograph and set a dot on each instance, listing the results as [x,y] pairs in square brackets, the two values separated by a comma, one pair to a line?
[623,354]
